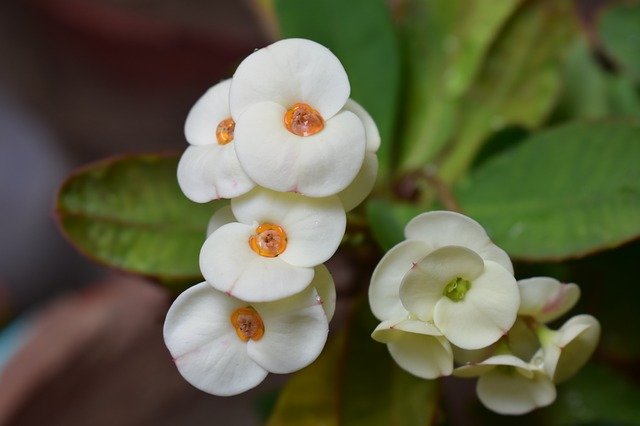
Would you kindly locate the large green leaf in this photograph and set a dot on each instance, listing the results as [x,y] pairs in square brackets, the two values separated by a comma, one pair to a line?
[519,82]
[387,220]
[445,42]
[561,193]
[129,213]
[360,33]
[355,382]
[619,30]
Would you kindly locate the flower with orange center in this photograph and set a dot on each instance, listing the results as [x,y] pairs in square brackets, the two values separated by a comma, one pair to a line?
[209,168]
[292,131]
[224,346]
[269,252]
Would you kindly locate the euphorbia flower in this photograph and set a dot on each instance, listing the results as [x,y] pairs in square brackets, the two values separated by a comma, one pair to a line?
[417,347]
[472,301]
[546,299]
[508,385]
[209,168]
[270,252]
[291,133]
[224,346]
[426,233]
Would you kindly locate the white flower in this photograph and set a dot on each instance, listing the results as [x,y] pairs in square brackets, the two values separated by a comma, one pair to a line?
[508,385]
[270,252]
[567,350]
[225,346]
[291,132]
[426,233]
[417,347]
[546,299]
[472,301]
[209,168]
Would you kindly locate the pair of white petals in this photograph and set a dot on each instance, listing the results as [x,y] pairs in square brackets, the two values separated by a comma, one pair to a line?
[339,159]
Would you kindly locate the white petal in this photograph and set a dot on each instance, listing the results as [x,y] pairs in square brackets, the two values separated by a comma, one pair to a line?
[230,265]
[487,311]
[506,391]
[324,285]
[546,299]
[384,290]
[370,128]
[474,356]
[296,330]
[422,287]
[291,71]
[314,226]
[203,343]
[388,331]
[445,228]
[428,357]
[571,347]
[222,216]
[204,117]
[523,341]
[210,172]
[319,165]
[361,187]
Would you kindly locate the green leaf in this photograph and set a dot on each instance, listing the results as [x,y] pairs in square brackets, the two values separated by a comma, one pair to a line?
[445,42]
[360,33]
[387,220]
[562,193]
[355,382]
[519,82]
[619,30]
[129,213]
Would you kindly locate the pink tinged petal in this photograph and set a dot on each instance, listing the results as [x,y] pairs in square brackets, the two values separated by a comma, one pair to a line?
[508,391]
[384,290]
[314,226]
[445,228]
[486,313]
[222,216]
[324,285]
[571,347]
[230,265]
[423,286]
[296,330]
[319,165]
[204,117]
[370,128]
[546,299]
[203,343]
[288,72]
[210,172]
[361,187]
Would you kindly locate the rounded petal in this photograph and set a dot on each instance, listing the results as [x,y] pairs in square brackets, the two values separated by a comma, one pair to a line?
[488,364]
[291,71]
[507,391]
[222,216]
[571,347]
[445,228]
[205,115]
[361,187]
[428,357]
[210,172]
[314,226]
[204,346]
[523,341]
[486,313]
[422,287]
[326,288]
[384,290]
[296,330]
[546,299]
[474,356]
[388,331]
[317,166]
[370,128]
[230,265]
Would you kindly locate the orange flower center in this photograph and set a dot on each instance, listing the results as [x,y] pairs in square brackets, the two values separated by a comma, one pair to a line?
[302,120]
[224,132]
[269,240]
[247,323]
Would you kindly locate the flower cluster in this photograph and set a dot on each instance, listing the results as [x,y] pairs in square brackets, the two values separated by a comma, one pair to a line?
[285,143]
[449,304]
